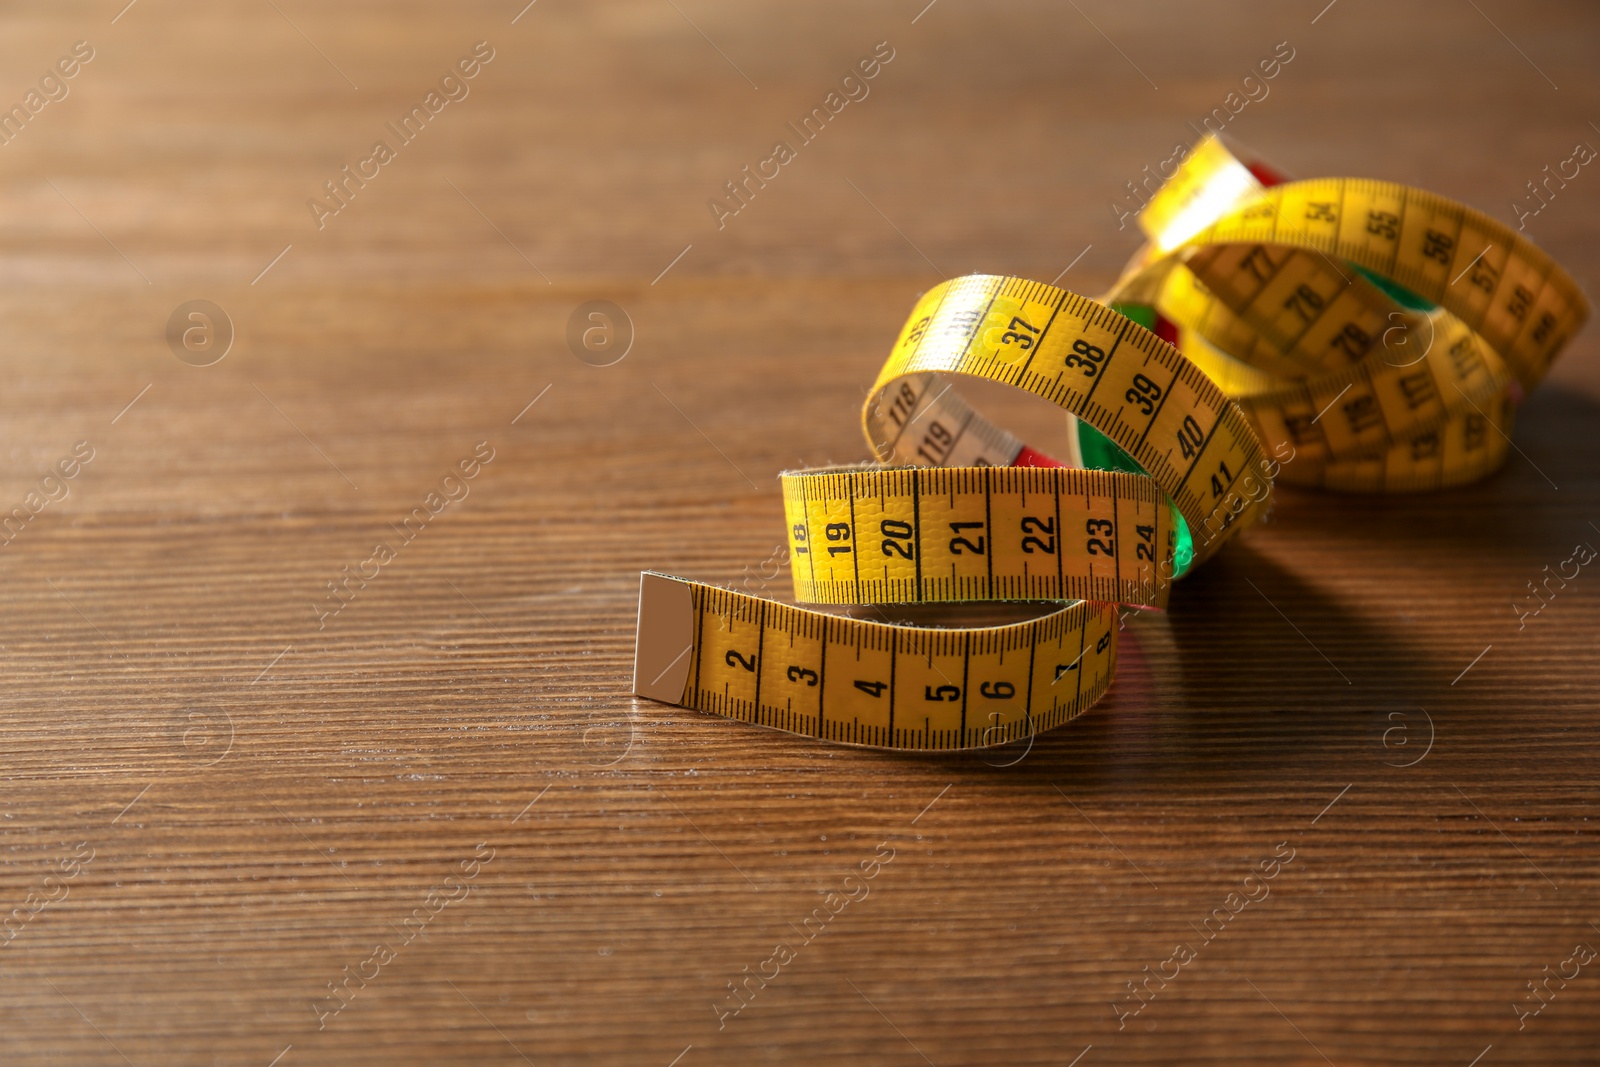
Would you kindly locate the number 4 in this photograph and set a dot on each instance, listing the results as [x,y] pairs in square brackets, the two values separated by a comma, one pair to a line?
[1221,480]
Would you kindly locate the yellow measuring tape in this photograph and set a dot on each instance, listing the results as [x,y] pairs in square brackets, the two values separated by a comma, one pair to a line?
[1354,335]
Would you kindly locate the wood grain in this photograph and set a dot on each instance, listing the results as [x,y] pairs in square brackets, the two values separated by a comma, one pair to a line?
[268,798]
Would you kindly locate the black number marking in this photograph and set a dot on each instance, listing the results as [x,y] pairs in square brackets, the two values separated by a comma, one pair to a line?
[1353,341]
[1189,437]
[1023,340]
[1521,300]
[837,531]
[1096,529]
[1437,246]
[1484,276]
[1258,270]
[1144,393]
[1047,544]
[1363,413]
[906,398]
[896,538]
[1220,480]
[1305,302]
[1087,356]
[935,447]
[1541,332]
[958,544]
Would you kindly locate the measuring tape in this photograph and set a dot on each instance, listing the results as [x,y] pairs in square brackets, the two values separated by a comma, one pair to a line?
[1384,333]
[1312,331]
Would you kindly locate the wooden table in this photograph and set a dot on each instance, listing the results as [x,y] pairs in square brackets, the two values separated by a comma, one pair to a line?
[223,798]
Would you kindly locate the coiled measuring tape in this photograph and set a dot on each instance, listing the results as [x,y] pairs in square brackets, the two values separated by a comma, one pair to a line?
[1316,331]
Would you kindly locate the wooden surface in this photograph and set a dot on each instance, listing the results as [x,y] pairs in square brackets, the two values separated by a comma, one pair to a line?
[266,801]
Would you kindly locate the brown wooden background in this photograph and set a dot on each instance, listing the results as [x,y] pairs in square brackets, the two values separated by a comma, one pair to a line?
[266,802]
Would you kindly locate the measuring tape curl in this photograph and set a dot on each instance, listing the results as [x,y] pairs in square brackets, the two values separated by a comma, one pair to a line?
[1320,337]
[966,512]
[1382,332]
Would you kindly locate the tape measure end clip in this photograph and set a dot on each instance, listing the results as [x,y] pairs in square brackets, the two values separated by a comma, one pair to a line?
[664,650]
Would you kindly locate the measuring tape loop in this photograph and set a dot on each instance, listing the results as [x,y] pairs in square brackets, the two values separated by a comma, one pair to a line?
[869,683]
[1383,332]
[921,534]
[1352,335]
[1100,366]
